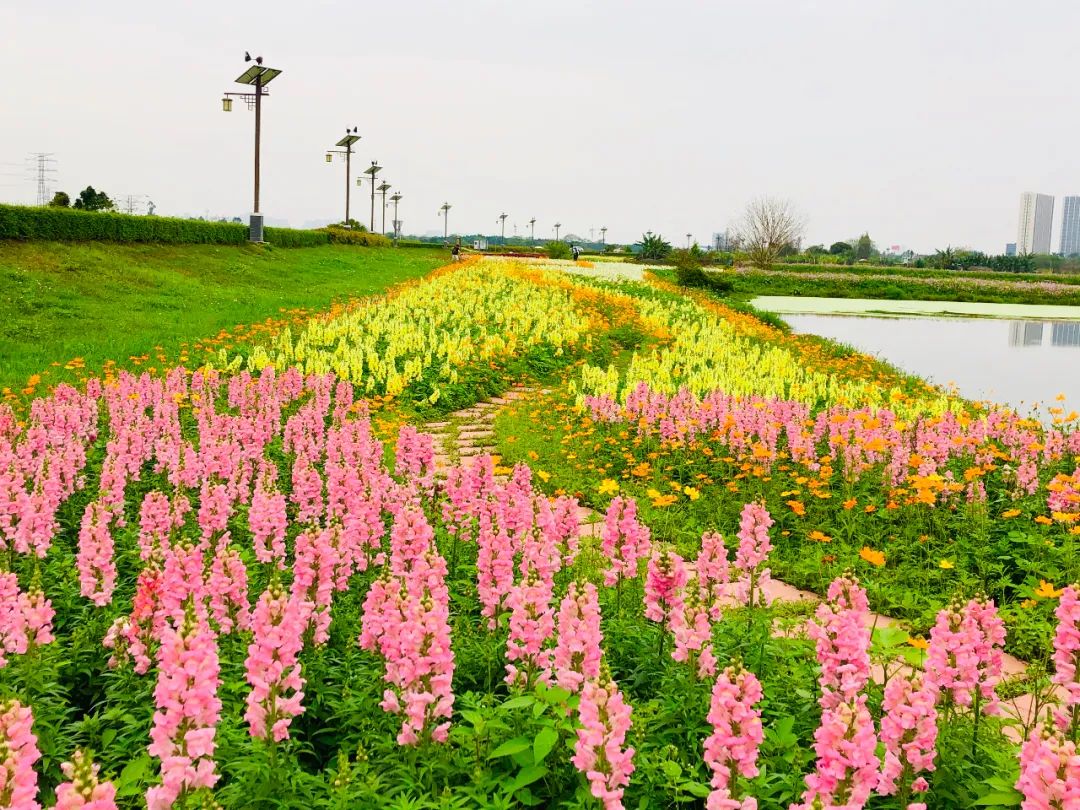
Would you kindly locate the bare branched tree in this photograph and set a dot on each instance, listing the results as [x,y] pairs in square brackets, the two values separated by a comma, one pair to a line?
[768,226]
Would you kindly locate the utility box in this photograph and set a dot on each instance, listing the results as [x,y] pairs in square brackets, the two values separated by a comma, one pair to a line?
[480,244]
[255,233]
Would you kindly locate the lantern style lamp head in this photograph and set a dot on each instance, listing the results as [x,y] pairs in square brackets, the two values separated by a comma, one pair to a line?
[359,181]
[329,158]
[226,104]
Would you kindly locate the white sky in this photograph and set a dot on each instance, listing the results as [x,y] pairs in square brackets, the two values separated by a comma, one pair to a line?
[919,121]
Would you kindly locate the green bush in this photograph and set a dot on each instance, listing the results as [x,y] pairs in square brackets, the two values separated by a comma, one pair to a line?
[340,236]
[557,250]
[69,225]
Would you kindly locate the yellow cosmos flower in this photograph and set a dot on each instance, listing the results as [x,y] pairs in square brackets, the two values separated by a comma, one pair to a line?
[872,556]
[664,501]
[691,493]
[819,536]
[608,487]
[918,642]
[1046,590]
[946,564]
[1010,513]
[543,476]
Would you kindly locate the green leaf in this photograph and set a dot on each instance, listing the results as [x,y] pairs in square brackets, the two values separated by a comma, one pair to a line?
[999,799]
[134,770]
[514,746]
[527,775]
[671,768]
[519,702]
[107,736]
[473,717]
[697,789]
[544,742]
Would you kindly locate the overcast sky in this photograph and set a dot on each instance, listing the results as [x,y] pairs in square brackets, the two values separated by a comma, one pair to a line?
[919,121]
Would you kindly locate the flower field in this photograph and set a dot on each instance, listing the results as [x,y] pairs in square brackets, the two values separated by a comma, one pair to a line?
[685,560]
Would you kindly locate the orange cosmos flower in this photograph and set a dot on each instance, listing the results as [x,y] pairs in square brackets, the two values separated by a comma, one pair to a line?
[872,556]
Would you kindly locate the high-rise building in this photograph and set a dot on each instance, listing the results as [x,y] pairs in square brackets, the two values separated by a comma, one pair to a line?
[1070,226]
[1010,248]
[1036,220]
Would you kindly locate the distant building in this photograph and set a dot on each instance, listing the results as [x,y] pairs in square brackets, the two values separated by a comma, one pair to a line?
[1070,226]
[1036,221]
[1010,248]
[1025,333]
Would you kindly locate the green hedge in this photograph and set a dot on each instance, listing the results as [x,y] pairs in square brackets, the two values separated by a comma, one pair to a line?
[341,236]
[69,225]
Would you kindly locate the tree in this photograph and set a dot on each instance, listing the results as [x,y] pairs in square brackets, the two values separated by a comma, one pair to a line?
[557,250]
[60,200]
[653,246]
[816,250]
[839,248]
[91,200]
[864,248]
[769,225]
[945,259]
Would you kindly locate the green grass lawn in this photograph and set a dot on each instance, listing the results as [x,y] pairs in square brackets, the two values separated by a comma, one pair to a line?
[103,301]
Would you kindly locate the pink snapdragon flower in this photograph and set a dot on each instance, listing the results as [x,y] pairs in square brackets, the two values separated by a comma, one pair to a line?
[753,554]
[97,570]
[18,754]
[732,748]
[188,710]
[228,590]
[909,733]
[532,623]
[692,628]
[272,666]
[846,770]
[1049,770]
[84,790]
[1067,656]
[624,541]
[665,579]
[599,751]
[578,653]
[842,639]
[965,656]
[713,571]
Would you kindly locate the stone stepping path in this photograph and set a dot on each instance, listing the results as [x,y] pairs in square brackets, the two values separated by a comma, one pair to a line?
[470,432]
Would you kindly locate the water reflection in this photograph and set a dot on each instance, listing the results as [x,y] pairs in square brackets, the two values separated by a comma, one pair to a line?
[1017,363]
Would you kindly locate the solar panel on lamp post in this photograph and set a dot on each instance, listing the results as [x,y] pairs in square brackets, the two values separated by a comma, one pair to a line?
[384,187]
[347,142]
[444,210]
[257,76]
[373,170]
[395,198]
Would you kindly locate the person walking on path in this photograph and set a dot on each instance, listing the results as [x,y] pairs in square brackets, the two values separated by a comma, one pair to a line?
[455,251]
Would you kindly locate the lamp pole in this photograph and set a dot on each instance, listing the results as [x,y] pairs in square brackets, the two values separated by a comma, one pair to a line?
[373,170]
[384,187]
[257,77]
[688,241]
[502,220]
[557,226]
[347,142]
[395,198]
[603,235]
[445,211]
[532,229]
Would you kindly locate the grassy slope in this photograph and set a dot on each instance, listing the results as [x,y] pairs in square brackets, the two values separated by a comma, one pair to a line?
[108,301]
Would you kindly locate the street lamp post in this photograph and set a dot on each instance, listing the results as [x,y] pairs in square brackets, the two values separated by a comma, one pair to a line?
[502,219]
[395,198]
[444,211]
[557,226]
[384,187]
[373,170]
[532,230]
[603,235]
[350,138]
[256,76]
[688,241]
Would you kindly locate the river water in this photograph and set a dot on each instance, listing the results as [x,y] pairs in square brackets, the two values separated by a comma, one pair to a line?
[1023,361]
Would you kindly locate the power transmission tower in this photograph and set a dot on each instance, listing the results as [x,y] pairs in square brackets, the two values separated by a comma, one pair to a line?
[128,203]
[42,166]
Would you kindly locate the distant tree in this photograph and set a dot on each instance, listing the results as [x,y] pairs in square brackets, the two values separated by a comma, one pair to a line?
[816,250]
[769,225]
[60,200]
[654,247]
[839,248]
[864,248]
[945,259]
[91,200]
[558,250]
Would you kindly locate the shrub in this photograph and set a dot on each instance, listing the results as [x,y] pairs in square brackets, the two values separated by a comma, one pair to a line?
[557,250]
[69,225]
[340,236]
